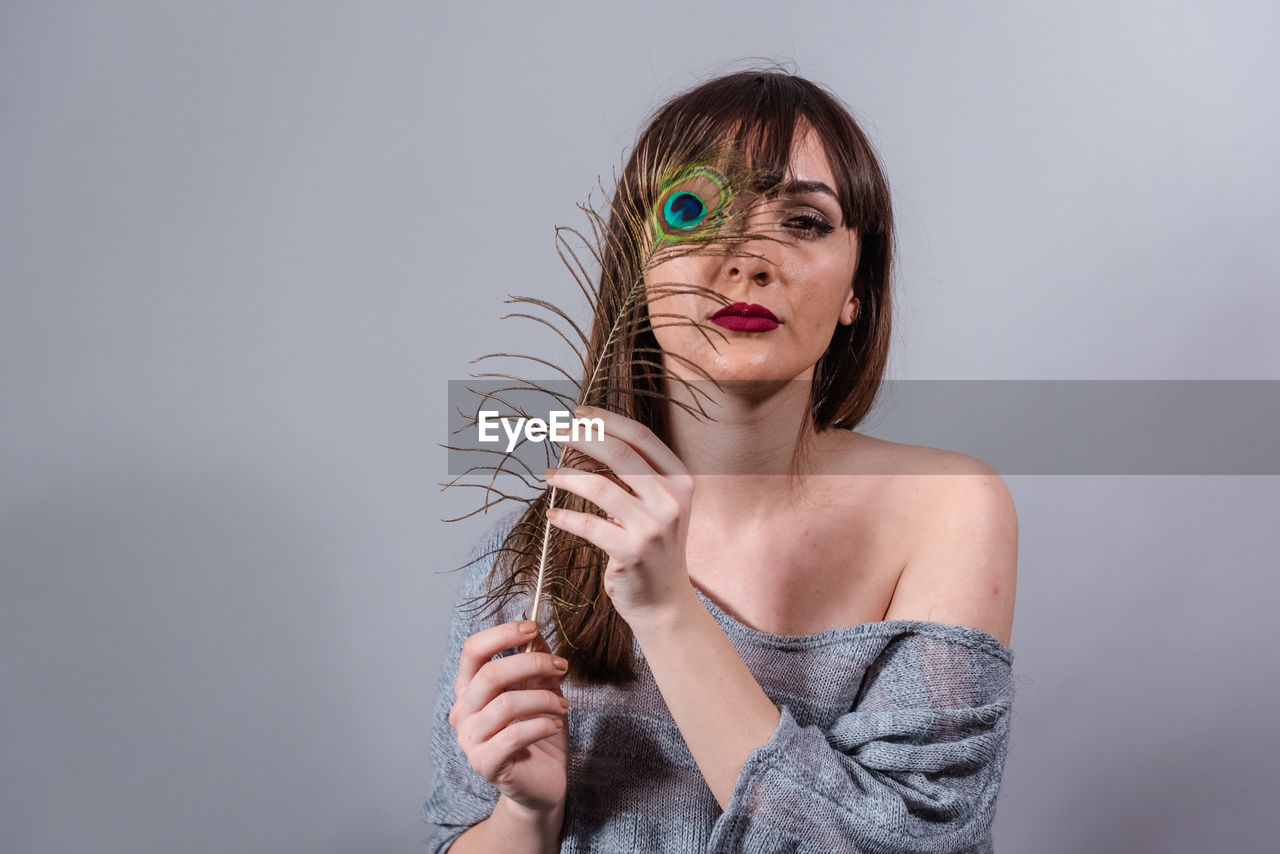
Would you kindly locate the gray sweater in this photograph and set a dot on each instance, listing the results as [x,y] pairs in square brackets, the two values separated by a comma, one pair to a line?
[892,739]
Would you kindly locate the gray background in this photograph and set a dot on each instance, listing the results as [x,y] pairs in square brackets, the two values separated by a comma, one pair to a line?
[244,245]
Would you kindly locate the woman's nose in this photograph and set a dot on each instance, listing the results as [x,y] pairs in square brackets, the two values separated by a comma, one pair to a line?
[752,254]
[749,260]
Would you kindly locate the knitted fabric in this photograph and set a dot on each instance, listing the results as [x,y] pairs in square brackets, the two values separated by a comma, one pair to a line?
[892,739]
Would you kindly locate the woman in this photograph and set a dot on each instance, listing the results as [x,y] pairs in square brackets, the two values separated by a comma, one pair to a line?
[814,661]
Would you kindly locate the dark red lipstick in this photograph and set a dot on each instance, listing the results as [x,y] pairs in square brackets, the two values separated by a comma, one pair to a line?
[745,317]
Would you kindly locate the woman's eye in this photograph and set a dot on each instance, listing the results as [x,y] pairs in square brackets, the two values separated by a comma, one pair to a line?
[809,226]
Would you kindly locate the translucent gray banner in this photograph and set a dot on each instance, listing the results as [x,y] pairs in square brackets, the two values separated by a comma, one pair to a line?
[1067,427]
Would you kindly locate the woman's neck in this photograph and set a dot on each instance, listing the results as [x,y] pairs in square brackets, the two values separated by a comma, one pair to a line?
[759,436]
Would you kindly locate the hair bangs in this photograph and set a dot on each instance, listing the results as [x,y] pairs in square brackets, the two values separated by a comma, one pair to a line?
[757,117]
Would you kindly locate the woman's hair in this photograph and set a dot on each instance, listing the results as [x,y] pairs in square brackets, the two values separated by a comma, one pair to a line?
[757,112]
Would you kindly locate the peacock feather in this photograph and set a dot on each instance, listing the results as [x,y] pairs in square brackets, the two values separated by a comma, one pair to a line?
[667,205]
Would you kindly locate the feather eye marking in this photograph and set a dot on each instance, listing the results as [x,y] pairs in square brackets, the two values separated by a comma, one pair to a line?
[695,199]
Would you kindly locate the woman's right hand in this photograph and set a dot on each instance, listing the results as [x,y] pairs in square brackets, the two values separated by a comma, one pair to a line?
[511,717]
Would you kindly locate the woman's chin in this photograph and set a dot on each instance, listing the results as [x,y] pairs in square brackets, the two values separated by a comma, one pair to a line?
[750,379]
[754,375]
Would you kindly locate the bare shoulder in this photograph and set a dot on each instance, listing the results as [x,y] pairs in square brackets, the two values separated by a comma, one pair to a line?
[960,536]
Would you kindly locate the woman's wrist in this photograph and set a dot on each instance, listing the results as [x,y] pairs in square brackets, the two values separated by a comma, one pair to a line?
[660,620]
[544,825]
[512,829]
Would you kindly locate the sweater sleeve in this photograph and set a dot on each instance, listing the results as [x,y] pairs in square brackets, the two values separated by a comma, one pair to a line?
[915,766]
[459,796]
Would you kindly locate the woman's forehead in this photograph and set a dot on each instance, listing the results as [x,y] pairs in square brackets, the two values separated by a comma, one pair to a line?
[807,159]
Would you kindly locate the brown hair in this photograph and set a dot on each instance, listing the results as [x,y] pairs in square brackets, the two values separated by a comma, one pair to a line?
[758,112]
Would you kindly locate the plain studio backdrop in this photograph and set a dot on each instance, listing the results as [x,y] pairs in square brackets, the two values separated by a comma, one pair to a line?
[244,246]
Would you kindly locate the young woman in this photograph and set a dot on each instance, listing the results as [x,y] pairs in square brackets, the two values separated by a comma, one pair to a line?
[803,639]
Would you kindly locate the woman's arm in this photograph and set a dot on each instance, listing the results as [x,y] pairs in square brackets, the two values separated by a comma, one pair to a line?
[466,810]
[914,768]
[964,567]
[720,709]
[964,573]
[512,830]
[717,704]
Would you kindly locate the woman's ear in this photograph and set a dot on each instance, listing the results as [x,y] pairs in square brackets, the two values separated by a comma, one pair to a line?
[849,311]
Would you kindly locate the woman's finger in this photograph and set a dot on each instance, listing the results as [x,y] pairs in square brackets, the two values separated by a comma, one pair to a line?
[498,675]
[660,458]
[490,758]
[482,646]
[624,461]
[539,644]
[611,538]
[597,489]
[632,463]
[507,708]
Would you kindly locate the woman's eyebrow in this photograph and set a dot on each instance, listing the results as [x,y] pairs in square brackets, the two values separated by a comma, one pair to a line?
[797,187]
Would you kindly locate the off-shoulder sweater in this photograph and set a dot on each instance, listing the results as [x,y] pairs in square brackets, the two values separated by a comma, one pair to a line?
[892,738]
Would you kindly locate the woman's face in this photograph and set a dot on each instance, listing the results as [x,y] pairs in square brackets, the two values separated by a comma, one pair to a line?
[806,283]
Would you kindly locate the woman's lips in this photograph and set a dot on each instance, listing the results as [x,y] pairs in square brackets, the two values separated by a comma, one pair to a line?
[745,317]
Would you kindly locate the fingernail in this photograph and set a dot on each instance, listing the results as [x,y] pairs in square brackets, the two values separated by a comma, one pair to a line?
[559,724]
[527,627]
[564,702]
[560,664]
[581,410]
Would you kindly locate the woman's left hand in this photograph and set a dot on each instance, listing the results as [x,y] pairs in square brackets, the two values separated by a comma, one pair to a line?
[646,575]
